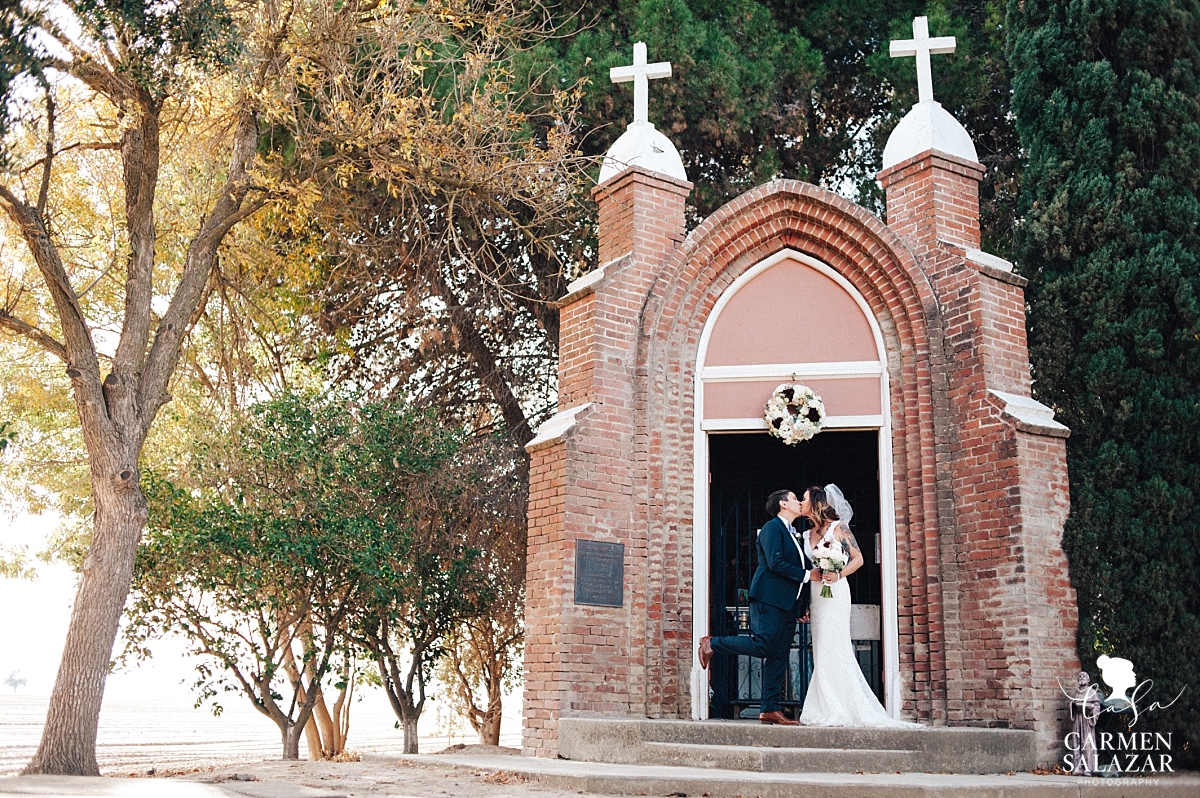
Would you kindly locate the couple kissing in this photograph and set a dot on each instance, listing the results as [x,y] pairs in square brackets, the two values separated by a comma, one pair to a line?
[781,595]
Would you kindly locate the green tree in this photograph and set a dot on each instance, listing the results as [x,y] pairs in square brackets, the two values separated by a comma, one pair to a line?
[807,91]
[310,521]
[738,105]
[1107,99]
[427,588]
[255,563]
[319,528]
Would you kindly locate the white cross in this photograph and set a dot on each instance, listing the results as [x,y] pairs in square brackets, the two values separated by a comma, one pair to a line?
[641,74]
[921,46]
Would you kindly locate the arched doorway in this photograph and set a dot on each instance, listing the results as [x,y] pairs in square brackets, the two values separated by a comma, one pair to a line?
[789,316]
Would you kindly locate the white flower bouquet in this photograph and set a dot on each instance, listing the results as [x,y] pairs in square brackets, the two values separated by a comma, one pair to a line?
[829,555]
[794,413]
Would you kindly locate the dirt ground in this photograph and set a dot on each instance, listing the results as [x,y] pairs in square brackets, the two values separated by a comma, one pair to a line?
[378,775]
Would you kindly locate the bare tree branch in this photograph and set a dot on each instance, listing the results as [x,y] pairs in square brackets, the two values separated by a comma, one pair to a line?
[487,368]
[42,338]
[201,254]
[79,145]
[83,365]
[44,191]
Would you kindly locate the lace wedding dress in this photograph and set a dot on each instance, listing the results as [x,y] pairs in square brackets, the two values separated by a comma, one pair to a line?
[838,694]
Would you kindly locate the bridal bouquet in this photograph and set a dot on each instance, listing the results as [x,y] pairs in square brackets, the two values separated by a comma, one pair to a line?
[828,555]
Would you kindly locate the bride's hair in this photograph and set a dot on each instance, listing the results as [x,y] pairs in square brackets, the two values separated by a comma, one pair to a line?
[821,508]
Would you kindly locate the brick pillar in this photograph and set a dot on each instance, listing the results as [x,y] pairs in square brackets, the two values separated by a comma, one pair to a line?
[1007,635]
[934,197]
[585,659]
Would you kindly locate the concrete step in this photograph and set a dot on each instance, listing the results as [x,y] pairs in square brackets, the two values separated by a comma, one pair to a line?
[933,749]
[751,732]
[611,779]
[782,760]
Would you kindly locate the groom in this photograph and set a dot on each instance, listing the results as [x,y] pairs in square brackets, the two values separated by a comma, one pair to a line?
[779,594]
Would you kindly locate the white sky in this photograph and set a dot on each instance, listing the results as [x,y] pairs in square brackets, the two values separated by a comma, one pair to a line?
[33,624]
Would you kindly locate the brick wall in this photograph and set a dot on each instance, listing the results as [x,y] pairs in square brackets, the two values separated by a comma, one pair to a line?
[1010,617]
[579,658]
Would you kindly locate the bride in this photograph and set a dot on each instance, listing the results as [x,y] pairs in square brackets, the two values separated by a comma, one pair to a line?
[838,694]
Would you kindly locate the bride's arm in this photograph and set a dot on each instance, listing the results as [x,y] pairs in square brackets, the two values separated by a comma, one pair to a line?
[856,556]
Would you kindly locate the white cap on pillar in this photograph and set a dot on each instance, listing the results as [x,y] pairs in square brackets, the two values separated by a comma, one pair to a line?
[928,126]
[641,144]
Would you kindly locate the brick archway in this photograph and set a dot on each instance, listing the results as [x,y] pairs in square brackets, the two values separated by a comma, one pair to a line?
[872,259]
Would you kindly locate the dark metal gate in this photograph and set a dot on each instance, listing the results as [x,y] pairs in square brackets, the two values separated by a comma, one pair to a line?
[743,470]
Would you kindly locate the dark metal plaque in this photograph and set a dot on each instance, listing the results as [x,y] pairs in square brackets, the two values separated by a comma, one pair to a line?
[599,573]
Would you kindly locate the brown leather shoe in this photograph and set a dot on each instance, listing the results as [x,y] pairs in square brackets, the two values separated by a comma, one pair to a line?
[776,718]
[706,651]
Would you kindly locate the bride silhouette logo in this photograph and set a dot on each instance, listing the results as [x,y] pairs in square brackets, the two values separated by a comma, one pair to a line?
[1118,674]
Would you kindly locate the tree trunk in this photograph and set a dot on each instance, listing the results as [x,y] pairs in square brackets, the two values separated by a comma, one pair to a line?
[68,743]
[313,737]
[320,715]
[410,733]
[341,715]
[489,727]
[291,741]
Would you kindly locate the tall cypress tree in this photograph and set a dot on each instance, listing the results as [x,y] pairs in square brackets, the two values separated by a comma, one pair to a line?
[1107,99]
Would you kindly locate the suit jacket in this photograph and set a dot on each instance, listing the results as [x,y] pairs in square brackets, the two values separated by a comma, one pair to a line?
[781,568]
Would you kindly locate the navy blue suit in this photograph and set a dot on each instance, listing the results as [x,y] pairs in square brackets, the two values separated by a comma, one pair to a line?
[776,601]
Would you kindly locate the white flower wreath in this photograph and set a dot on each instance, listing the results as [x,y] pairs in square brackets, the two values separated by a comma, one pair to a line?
[794,413]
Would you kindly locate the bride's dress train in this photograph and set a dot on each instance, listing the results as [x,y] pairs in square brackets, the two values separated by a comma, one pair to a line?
[838,694]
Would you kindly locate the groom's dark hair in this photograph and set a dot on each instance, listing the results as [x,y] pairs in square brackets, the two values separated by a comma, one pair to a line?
[773,501]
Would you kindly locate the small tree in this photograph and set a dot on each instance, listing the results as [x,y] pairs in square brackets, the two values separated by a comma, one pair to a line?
[14,680]
[483,651]
[423,588]
[255,563]
[318,518]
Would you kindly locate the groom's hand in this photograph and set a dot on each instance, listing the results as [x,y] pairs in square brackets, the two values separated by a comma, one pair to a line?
[803,618]
[815,575]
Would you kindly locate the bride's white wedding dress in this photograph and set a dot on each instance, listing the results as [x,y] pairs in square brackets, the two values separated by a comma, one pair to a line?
[838,694]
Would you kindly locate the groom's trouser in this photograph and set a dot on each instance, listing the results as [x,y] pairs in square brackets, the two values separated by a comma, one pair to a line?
[771,634]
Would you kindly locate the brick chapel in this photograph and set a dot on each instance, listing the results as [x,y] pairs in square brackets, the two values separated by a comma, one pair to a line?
[648,483]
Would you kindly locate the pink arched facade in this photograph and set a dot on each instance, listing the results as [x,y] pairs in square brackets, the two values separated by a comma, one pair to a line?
[879,269]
